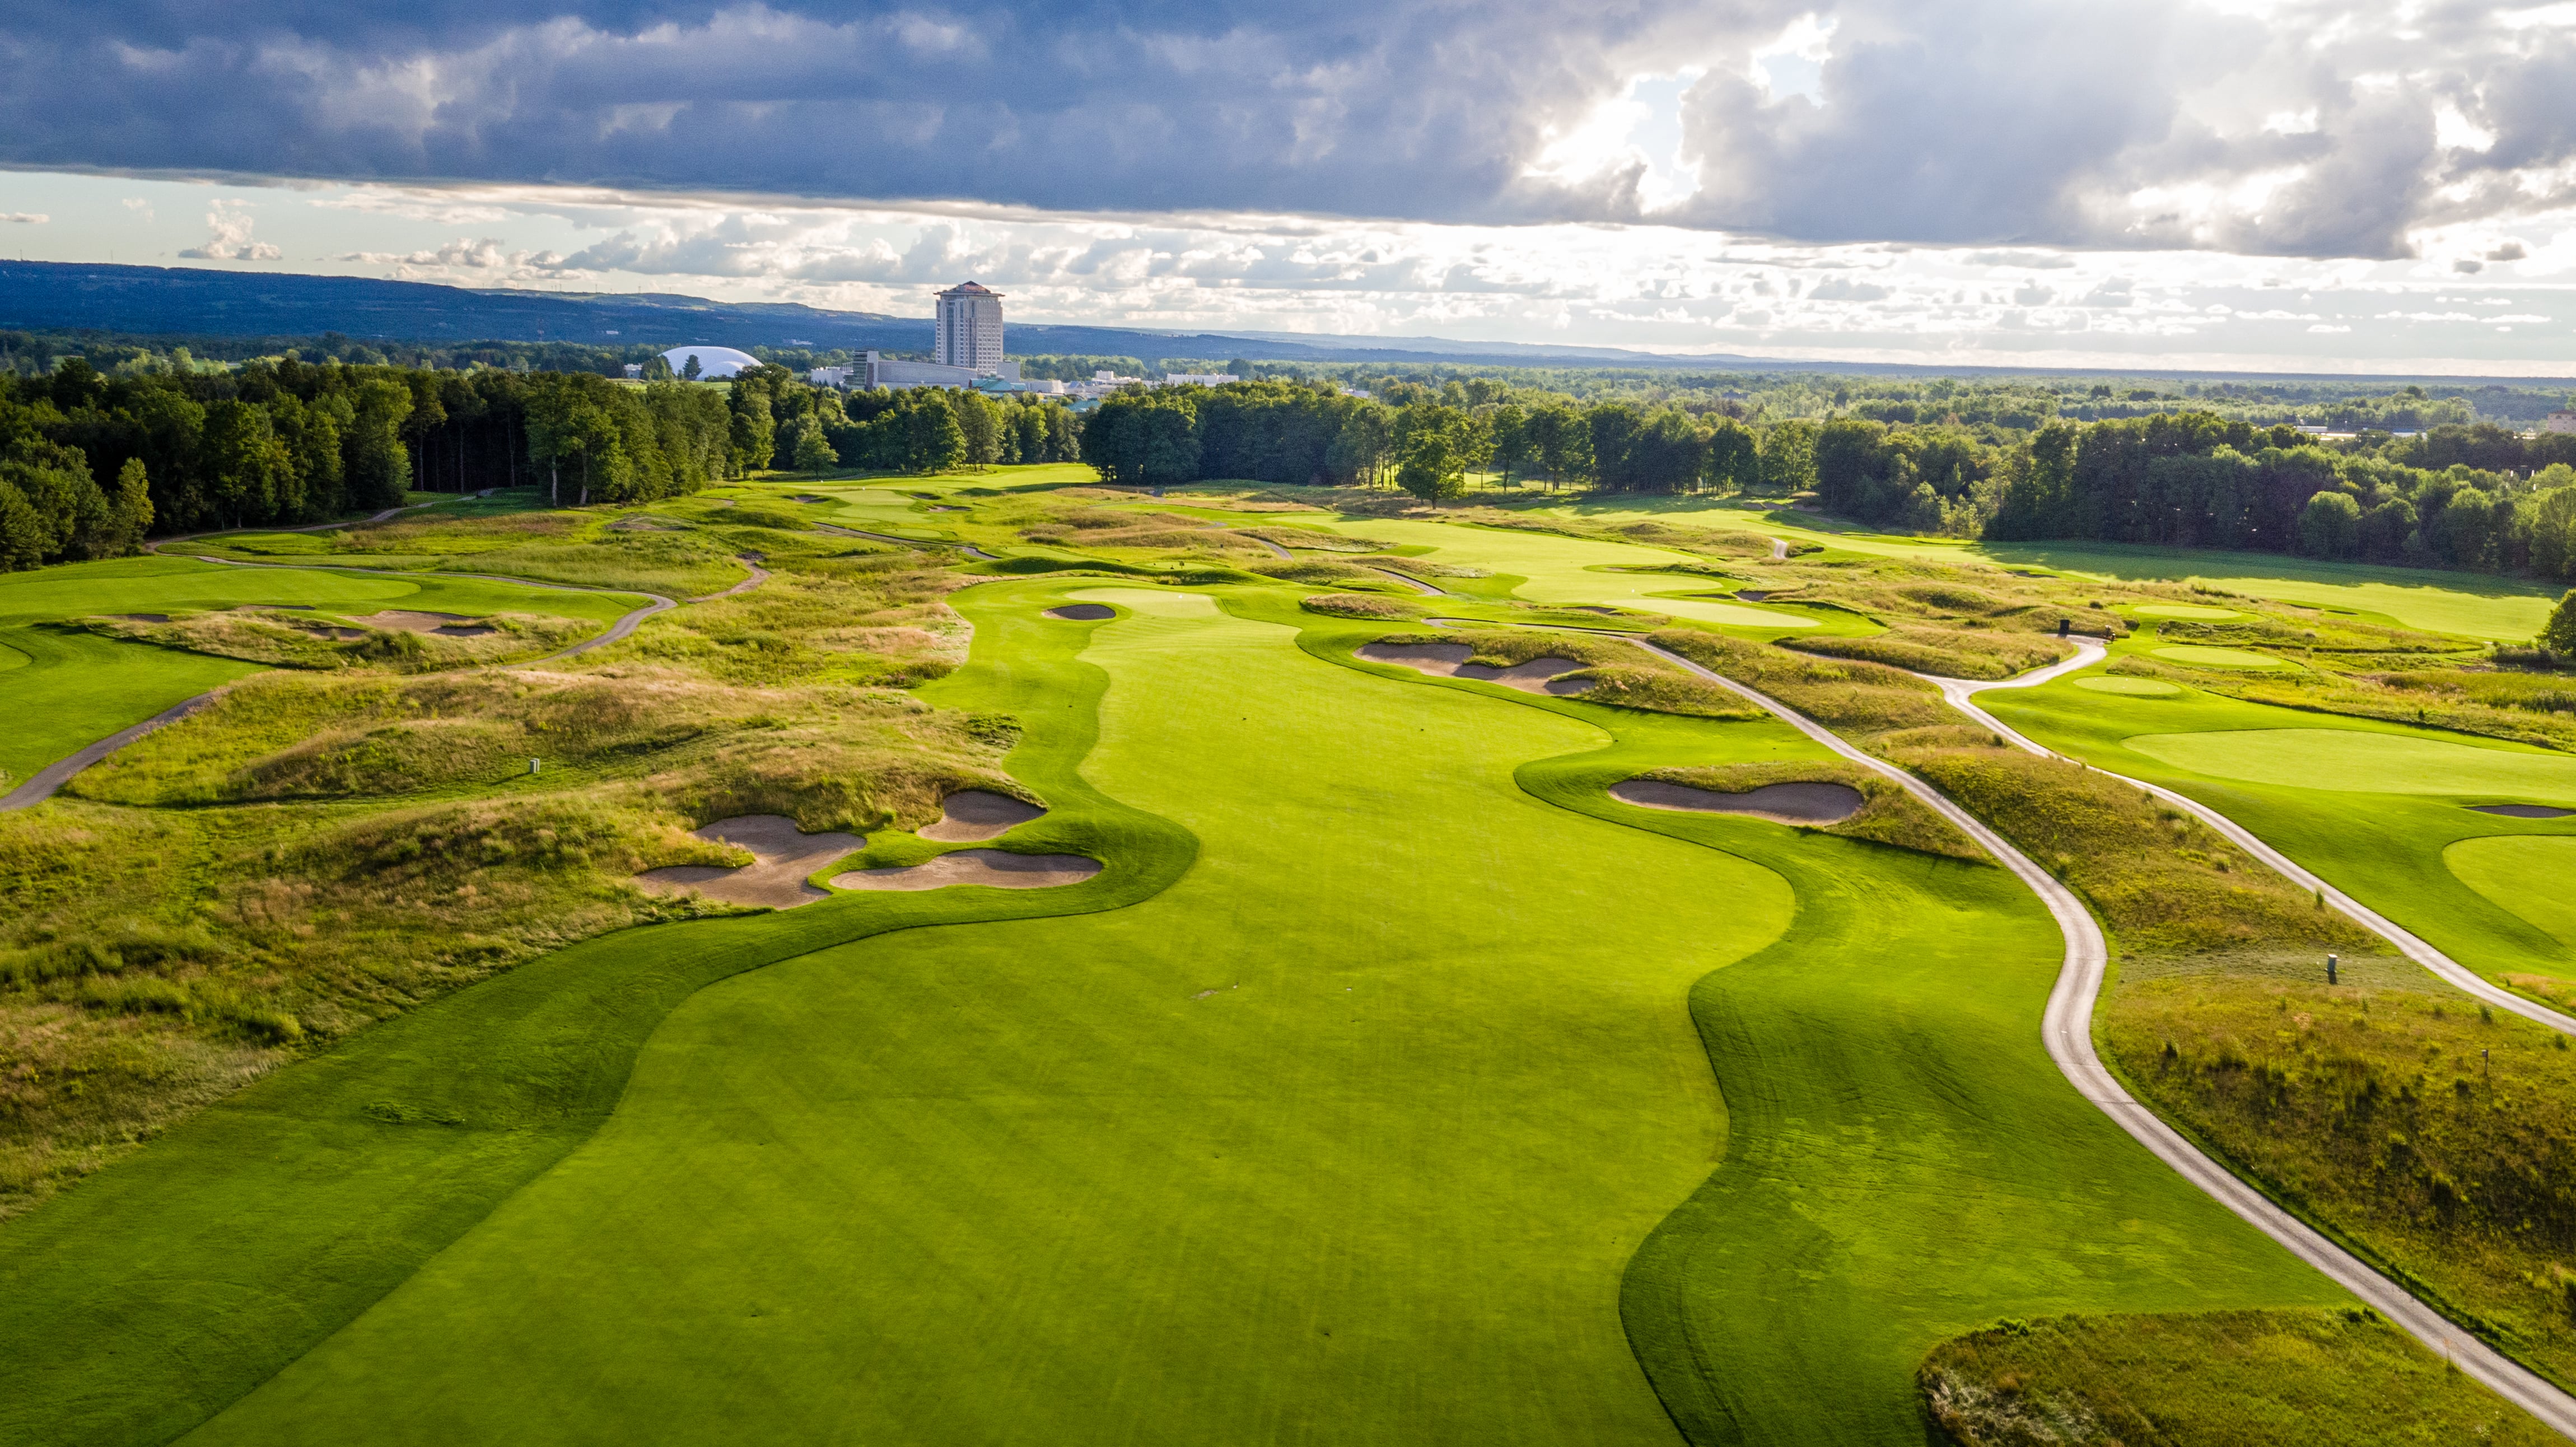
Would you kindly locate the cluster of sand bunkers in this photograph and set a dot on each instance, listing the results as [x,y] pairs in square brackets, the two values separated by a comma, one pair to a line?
[785,856]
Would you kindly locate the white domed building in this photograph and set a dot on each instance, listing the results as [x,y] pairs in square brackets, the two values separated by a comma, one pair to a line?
[713,362]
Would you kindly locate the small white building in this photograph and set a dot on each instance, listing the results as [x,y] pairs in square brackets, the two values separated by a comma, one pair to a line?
[1198,379]
[713,362]
[829,376]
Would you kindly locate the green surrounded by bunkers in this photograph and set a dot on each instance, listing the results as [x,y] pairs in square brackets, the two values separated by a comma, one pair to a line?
[1393,1082]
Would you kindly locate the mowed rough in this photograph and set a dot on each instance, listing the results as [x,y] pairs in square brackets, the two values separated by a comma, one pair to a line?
[1347,1136]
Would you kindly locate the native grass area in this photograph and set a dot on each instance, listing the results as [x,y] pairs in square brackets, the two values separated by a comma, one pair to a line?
[1381,1044]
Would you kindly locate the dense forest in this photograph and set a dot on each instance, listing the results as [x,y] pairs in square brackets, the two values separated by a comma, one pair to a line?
[166,441]
[91,463]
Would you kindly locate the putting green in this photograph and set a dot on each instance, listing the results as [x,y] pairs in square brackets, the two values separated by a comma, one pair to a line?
[2353,761]
[2134,687]
[2182,610]
[1357,1123]
[2200,655]
[2524,875]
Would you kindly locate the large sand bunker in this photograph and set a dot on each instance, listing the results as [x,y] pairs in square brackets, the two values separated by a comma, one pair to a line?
[783,855]
[443,625]
[1816,803]
[977,866]
[2522,811]
[971,816]
[1083,612]
[1449,660]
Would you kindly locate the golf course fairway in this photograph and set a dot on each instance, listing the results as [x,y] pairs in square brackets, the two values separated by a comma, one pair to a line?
[1393,1119]
[77,688]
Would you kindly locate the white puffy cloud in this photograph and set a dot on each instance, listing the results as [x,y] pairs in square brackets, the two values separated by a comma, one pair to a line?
[229,239]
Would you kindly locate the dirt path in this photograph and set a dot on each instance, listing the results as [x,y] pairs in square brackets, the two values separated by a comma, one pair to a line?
[1273,547]
[2066,1029]
[1961,693]
[1779,550]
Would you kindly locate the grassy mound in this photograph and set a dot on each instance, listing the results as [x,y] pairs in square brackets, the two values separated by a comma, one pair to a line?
[1359,605]
[1949,652]
[2435,1134]
[2213,1379]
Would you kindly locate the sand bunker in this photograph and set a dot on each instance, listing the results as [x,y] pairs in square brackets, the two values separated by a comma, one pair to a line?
[1083,612]
[140,617]
[1816,803]
[948,509]
[1449,660]
[2522,811]
[443,625]
[977,866]
[782,853]
[808,497]
[971,816]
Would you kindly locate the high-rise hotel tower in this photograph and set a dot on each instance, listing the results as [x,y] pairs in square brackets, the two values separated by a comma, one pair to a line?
[970,328]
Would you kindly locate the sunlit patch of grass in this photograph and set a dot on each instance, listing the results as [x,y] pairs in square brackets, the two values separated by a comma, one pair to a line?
[2209,1379]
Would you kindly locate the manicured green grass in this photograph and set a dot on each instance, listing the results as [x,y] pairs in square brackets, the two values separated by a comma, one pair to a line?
[1559,569]
[2134,687]
[2526,876]
[2201,656]
[2369,805]
[170,1284]
[2182,610]
[2348,761]
[1361,1119]
[1353,1130]
[73,689]
[2473,605]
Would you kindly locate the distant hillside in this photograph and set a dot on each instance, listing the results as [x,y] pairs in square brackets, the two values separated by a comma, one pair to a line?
[158,300]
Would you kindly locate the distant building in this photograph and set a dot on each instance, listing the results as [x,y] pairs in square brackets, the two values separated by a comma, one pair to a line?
[970,329]
[829,376]
[713,362]
[875,371]
[2560,422]
[635,371]
[1198,379]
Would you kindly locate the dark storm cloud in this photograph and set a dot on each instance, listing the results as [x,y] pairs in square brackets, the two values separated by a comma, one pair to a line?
[2026,122]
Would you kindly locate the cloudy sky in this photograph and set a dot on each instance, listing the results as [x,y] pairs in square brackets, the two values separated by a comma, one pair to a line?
[2326,187]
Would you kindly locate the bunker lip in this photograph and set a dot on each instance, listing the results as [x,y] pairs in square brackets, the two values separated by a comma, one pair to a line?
[1795,803]
[444,625]
[2521,811]
[782,856]
[994,867]
[1449,660]
[974,815]
[1083,612]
